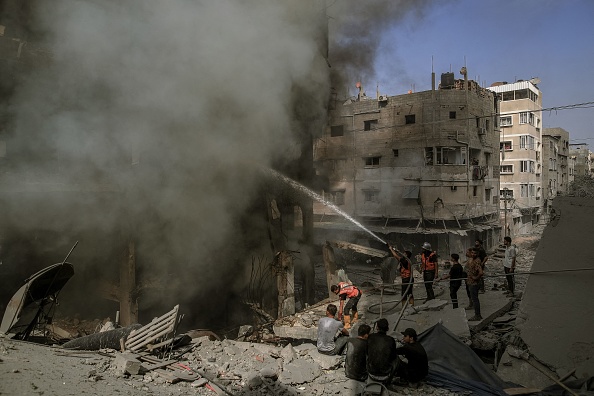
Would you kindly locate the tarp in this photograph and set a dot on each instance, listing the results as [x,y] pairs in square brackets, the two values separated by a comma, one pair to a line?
[454,366]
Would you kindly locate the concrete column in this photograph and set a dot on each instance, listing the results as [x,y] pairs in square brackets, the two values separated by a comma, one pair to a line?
[330,264]
[127,290]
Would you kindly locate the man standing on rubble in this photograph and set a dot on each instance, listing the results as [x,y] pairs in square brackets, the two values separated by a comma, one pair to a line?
[482,254]
[429,268]
[475,273]
[346,290]
[332,336]
[509,264]
[381,354]
[406,274]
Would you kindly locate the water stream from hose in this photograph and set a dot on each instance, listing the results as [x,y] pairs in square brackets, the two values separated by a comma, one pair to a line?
[300,187]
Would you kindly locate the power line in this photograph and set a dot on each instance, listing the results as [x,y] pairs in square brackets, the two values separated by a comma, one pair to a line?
[584,105]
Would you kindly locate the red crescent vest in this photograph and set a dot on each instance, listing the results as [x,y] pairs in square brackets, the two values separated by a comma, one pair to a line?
[426,263]
[348,289]
[405,273]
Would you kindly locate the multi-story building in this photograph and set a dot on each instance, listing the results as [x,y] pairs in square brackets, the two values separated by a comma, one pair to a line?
[555,154]
[415,162]
[555,169]
[582,157]
[520,149]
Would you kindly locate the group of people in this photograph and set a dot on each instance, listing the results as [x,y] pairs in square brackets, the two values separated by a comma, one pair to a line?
[373,356]
[472,272]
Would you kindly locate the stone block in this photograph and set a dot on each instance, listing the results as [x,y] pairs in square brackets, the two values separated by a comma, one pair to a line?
[127,363]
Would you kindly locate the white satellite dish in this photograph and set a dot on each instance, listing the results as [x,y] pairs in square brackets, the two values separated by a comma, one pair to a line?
[535,80]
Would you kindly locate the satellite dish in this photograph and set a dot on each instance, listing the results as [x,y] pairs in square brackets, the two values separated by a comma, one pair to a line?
[535,80]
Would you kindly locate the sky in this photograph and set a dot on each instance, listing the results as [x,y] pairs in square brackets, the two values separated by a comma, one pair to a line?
[497,40]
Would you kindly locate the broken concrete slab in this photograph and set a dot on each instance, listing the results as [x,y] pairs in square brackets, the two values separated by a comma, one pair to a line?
[519,371]
[127,363]
[299,372]
[326,362]
[556,307]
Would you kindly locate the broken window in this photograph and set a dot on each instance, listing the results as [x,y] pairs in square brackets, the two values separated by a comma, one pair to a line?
[507,169]
[409,119]
[372,162]
[505,121]
[370,195]
[428,155]
[370,125]
[505,145]
[336,130]
[451,155]
[452,115]
[506,193]
[336,197]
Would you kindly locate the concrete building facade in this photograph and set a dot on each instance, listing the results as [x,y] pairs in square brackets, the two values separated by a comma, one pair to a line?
[582,157]
[520,150]
[555,154]
[426,160]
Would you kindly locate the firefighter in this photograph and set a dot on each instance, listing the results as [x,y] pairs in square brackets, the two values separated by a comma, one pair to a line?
[429,269]
[346,290]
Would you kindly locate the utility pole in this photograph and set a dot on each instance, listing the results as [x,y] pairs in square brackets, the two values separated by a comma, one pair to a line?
[505,197]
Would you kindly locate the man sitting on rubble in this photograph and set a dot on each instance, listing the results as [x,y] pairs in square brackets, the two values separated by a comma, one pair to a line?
[344,290]
[417,366]
[381,354]
[355,365]
[332,336]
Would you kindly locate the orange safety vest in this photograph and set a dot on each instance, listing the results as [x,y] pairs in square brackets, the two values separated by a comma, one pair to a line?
[426,263]
[405,272]
[349,290]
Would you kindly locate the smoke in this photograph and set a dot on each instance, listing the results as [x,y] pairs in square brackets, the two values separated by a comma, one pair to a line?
[356,31]
[160,114]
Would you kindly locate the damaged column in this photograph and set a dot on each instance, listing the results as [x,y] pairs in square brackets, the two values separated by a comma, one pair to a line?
[285,283]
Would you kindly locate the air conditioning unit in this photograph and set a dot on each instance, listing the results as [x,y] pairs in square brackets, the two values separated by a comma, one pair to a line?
[382,98]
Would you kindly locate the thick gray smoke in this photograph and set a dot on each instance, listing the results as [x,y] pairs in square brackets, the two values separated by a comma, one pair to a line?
[356,31]
[172,107]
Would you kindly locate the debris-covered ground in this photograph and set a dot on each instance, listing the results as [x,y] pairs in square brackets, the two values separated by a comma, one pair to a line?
[231,367]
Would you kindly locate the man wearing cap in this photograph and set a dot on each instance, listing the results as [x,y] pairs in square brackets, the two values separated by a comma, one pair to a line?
[417,367]
[381,354]
[429,269]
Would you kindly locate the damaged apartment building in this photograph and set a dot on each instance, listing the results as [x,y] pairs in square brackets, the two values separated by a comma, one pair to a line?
[417,167]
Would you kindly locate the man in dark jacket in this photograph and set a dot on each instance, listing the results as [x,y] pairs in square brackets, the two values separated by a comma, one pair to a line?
[381,354]
[417,367]
[355,366]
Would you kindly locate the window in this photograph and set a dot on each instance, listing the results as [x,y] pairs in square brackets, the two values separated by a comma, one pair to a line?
[507,169]
[531,119]
[474,189]
[409,119]
[531,189]
[533,96]
[550,164]
[487,194]
[428,155]
[506,193]
[524,117]
[336,130]
[505,121]
[372,162]
[395,152]
[370,125]
[452,115]
[527,166]
[338,197]
[527,142]
[523,190]
[451,155]
[371,195]
[505,146]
